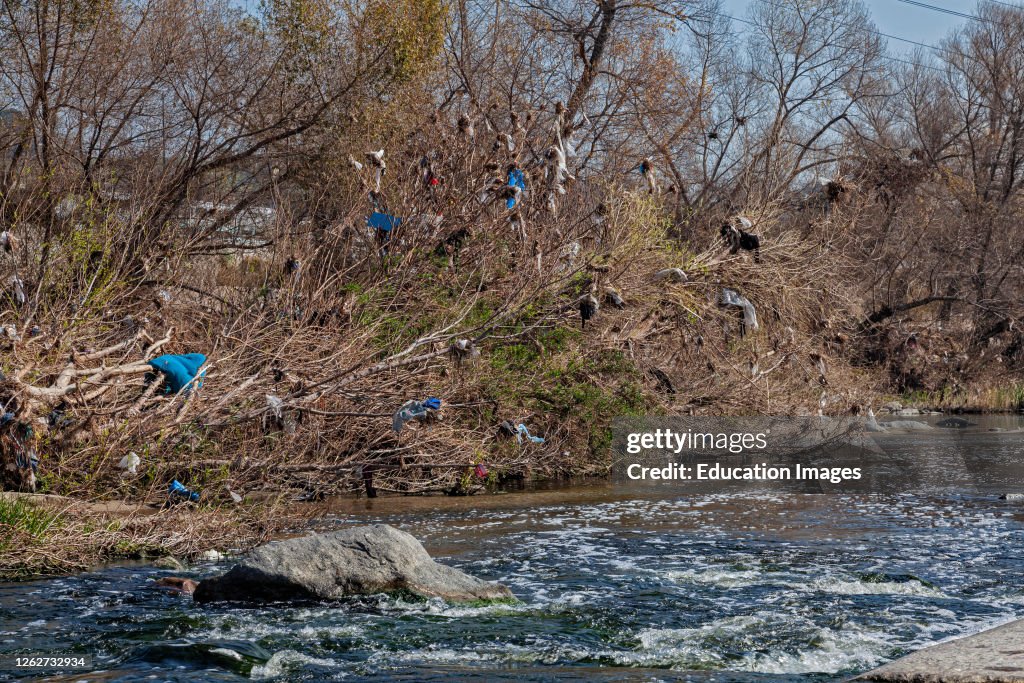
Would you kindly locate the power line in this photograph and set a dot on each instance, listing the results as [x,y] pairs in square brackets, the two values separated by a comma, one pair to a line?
[877,33]
[889,57]
[936,8]
[1012,5]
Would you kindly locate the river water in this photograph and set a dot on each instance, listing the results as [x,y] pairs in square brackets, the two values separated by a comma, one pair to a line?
[616,582]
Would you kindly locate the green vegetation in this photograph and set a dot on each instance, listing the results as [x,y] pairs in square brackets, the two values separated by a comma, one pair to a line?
[18,518]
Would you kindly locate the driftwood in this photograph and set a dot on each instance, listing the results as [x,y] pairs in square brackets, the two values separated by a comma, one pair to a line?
[82,384]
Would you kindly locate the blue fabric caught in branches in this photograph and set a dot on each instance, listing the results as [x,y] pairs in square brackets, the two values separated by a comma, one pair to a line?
[383,221]
[180,371]
[518,180]
[414,410]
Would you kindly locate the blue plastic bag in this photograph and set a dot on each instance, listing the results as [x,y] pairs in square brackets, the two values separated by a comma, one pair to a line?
[515,179]
[180,370]
[383,221]
[178,490]
[414,410]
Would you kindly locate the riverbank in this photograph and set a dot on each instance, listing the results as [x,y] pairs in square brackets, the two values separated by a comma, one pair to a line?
[45,535]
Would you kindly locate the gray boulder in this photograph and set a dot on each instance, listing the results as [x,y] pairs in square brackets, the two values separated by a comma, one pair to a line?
[355,561]
[993,656]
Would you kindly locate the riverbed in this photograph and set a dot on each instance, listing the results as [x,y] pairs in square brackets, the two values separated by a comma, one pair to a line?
[617,583]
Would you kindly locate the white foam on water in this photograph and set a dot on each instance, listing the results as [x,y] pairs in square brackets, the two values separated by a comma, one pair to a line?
[718,576]
[320,632]
[438,607]
[841,586]
[434,655]
[286,624]
[544,652]
[829,651]
[287,660]
[833,652]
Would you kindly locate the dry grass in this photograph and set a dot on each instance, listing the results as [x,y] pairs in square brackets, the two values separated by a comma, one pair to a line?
[52,535]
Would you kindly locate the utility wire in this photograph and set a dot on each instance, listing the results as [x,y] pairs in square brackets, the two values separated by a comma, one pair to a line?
[889,57]
[877,33]
[936,8]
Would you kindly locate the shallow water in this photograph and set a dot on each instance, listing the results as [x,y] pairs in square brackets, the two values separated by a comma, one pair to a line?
[616,584]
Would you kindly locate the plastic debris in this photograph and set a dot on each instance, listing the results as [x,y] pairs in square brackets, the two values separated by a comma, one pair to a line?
[481,470]
[730,297]
[736,236]
[504,140]
[558,171]
[180,371]
[212,556]
[612,296]
[464,350]
[568,254]
[465,126]
[58,417]
[506,429]
[383,222]
[276,406]
[234,496]
[517,181]
[872,423]
[130,462]
[18,287]
[7,242]
[178,491]
[647,171]
[376,159]
[822,191]
[589,306]
[671,274]
[19,440]
[415,410]
[522,431]
[277,417]
[430,179]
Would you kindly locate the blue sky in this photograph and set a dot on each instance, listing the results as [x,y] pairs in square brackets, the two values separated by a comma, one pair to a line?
[898,19]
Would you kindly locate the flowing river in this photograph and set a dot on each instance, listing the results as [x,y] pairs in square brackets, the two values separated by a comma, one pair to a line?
[616,582]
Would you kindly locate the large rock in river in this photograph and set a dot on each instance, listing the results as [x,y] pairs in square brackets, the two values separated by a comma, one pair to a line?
[355,561]
[993,656]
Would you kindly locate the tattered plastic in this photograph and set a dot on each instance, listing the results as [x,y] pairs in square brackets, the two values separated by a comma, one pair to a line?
[130,462]
[516,179]
[177,490]
[414,410]
[730,297]
[522,431]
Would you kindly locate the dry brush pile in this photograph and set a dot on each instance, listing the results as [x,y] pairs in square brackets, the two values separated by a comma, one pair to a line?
[314,345]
